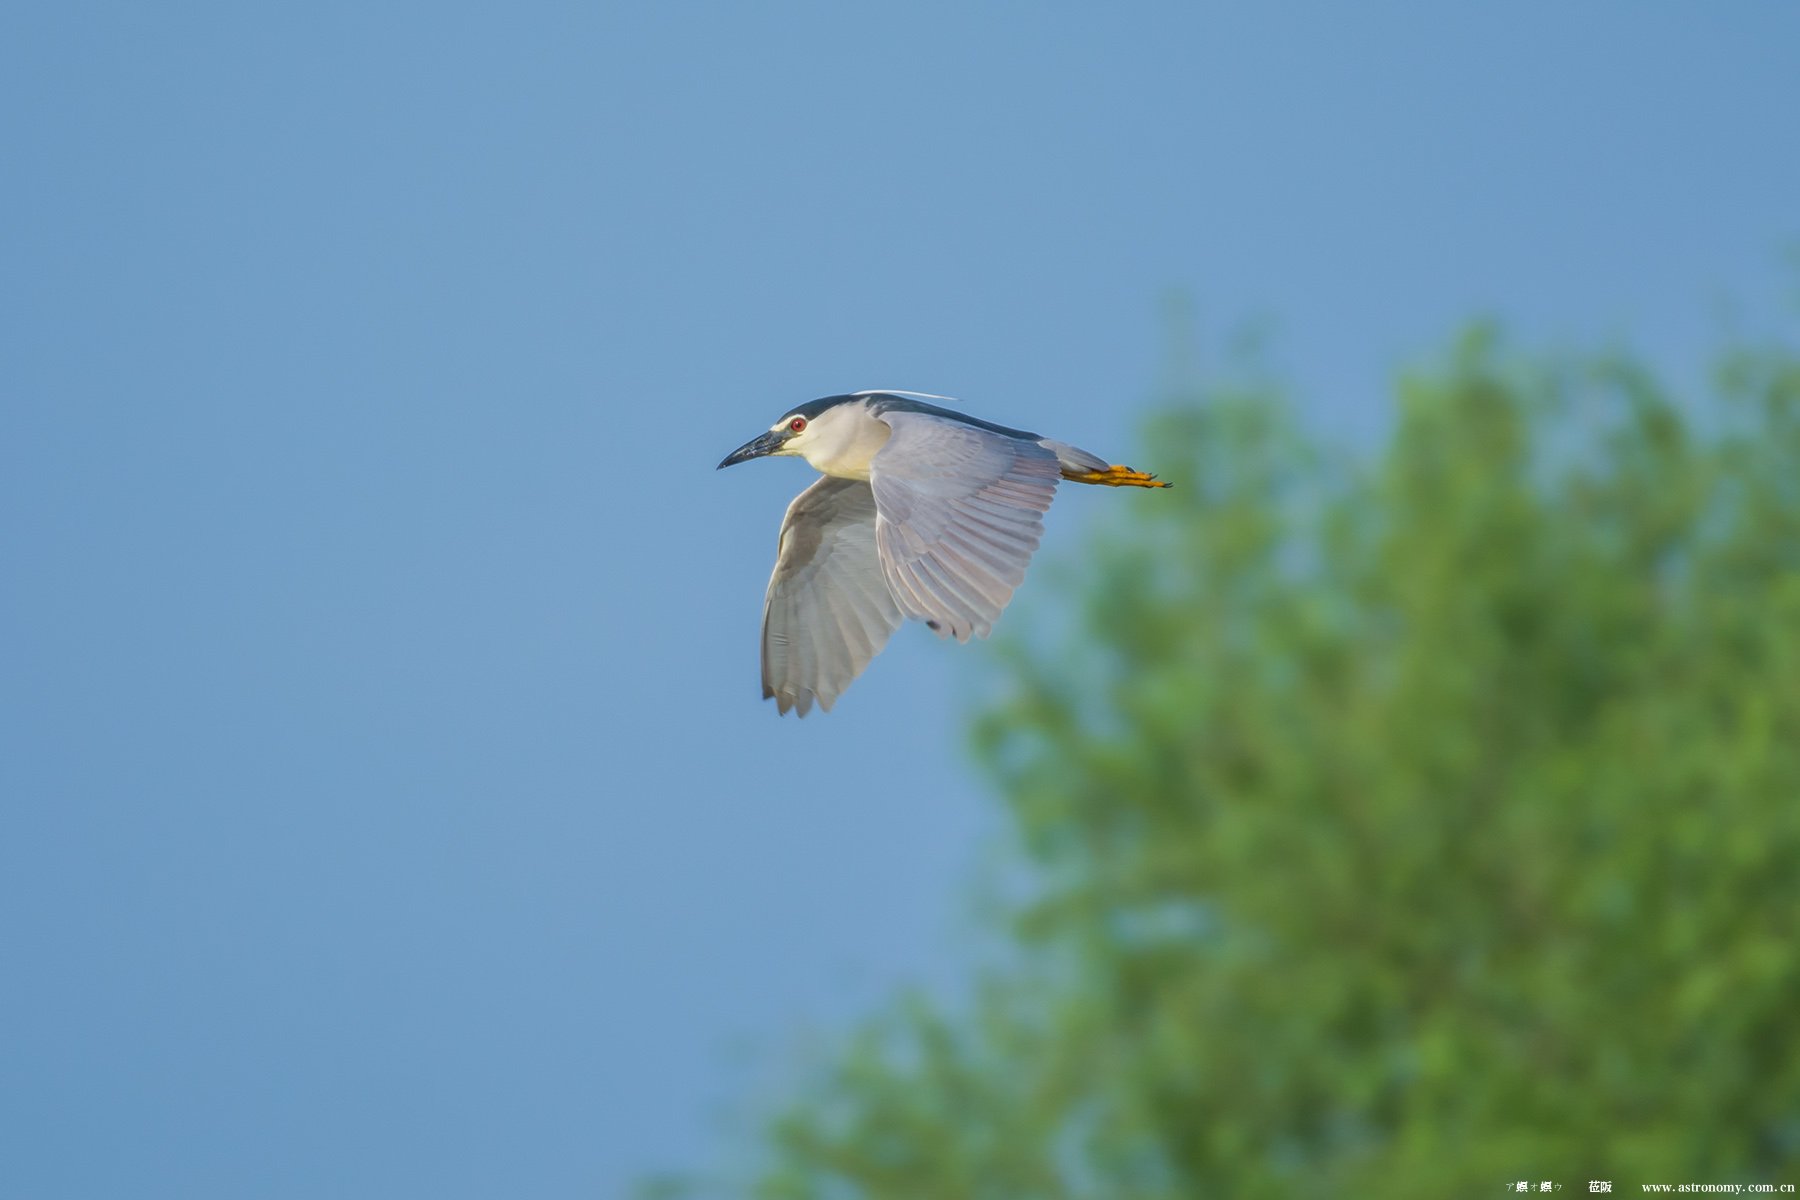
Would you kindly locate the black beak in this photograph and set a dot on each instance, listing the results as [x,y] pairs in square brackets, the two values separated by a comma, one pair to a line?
[756,447]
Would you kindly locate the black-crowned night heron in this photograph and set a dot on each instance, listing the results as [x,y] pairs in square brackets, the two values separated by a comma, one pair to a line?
[922,513]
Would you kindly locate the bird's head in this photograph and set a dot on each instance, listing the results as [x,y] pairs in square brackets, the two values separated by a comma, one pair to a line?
[793,434]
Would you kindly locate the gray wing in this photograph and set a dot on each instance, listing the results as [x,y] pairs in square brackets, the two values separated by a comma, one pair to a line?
[828,611]
[960,511]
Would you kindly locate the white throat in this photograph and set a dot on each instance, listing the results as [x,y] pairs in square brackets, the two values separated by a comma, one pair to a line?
[840,441]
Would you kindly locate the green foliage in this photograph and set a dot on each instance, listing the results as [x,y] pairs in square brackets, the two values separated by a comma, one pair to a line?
[1392,829]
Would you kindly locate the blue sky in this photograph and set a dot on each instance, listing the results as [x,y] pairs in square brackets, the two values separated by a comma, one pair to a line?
[388,808]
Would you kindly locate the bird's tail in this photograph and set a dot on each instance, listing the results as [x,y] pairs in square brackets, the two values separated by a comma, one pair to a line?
[1078,466]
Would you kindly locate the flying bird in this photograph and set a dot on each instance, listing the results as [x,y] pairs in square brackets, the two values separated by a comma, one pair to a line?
[922,513]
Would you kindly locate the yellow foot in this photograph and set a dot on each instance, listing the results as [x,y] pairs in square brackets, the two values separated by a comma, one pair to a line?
[1118,477]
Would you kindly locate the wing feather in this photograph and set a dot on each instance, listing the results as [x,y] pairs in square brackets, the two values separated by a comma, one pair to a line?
[960,511]
[828,610]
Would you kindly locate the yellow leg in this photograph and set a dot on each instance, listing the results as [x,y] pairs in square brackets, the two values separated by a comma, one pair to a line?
[1117,476]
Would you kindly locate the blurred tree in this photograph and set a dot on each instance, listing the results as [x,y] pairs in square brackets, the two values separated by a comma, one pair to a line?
[1394,830]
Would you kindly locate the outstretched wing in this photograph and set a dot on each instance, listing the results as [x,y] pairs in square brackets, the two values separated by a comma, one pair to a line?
[960,511]
[828,611]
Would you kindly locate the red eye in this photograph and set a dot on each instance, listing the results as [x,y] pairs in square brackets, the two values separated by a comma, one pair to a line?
[797,424]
